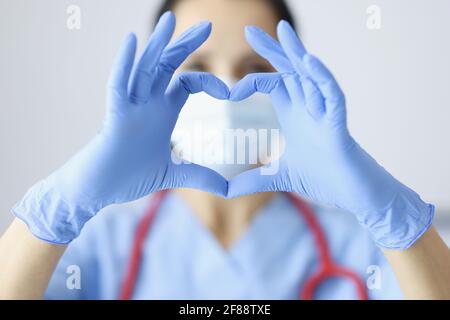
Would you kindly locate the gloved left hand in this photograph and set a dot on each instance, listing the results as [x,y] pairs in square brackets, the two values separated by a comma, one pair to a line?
[321,160]
[130,156]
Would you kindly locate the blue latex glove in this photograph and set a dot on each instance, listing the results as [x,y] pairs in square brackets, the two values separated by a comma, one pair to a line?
[322,161]
[131,156]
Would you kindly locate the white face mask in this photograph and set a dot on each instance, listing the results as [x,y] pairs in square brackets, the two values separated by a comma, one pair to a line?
[228,137]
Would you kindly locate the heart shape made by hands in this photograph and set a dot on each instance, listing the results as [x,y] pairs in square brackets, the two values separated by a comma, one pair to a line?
[229,137]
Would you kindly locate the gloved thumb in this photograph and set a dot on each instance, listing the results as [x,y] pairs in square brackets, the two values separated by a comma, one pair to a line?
[193,176]
[268,178]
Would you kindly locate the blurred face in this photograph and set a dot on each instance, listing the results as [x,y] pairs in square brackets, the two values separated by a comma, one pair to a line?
[229,138]
[226,53]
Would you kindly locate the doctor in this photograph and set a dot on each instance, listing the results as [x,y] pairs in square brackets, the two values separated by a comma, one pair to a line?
[223,231]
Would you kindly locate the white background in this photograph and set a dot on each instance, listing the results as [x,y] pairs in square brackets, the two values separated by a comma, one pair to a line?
[397,82]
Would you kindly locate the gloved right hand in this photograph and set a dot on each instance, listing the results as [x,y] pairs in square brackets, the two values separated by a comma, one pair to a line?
[131,156]
[322,162]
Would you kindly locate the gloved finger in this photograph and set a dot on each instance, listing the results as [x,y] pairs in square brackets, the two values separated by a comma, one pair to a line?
[328,86]
[269,83]
[177,52]
[188,83]
[272,51]
[314,100]
[268,48]
[144,75]
[256,181]
[292,45]
[294,50]
[253,83]
[294,88]
[280,95]
[193,176]
[123,64]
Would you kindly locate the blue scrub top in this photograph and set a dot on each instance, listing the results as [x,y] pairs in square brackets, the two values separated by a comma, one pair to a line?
[183,260]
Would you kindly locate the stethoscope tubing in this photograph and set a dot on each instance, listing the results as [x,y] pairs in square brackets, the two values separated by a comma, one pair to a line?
[327,269]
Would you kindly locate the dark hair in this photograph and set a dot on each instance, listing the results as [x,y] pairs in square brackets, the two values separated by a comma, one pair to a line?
[279,6]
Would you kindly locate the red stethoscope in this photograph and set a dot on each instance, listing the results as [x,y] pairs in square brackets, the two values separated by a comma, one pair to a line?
[327,267]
